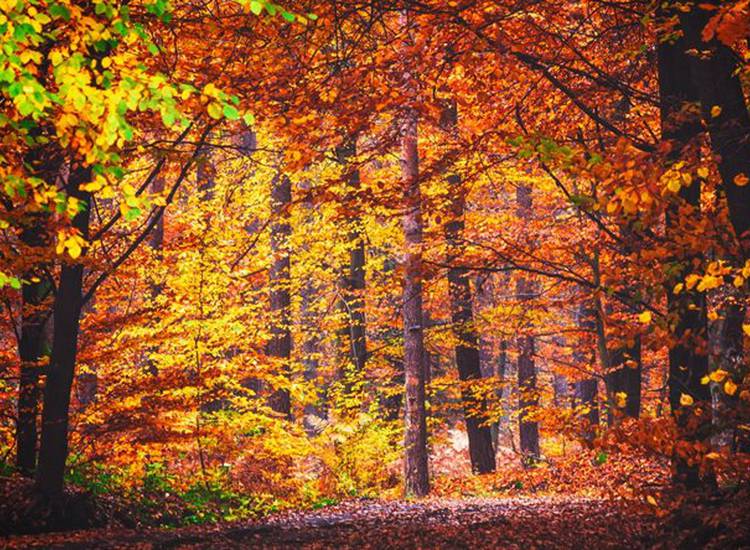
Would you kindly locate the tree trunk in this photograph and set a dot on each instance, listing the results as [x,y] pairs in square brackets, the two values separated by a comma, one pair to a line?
[314,413]
[45,163]
[416,482]
[354,280]
[156,287]
[528,398]
[30,349]
[688,362]
[717,81]
[586,392]
[53,450]
[717,84]
[481,450]
[625,377]
[280,346]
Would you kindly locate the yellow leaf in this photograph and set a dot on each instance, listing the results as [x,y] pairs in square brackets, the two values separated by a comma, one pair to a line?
[712,455]
[686,400]
[674,185]
[739,281]
[718,375]
[741,180]
[712,316]
[715,111]
[746,329]
[730,388]
[56,58]
[651,500]
[214,110]
[703,172]
[705,380]
[74,248]
[645,317]
[678,288]
[621,398]
[691,280]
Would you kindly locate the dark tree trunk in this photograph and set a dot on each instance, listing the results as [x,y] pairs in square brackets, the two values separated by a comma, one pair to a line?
[314,413]
[30,349]
[353,281]
[44,163]
[280,345]
[717,81]
[717,84]
[156,287]
[53,450]
[528,398]
[416,481]
[688,360]
[586,392]
[625,377]
[481,450]
[728,408]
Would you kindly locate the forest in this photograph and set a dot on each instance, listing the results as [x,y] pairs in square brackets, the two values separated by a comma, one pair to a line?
[374,273]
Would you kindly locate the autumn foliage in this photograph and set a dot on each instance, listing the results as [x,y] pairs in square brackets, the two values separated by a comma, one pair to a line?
[262,256]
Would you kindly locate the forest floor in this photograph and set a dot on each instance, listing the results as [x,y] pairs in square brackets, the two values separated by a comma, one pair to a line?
[538,522]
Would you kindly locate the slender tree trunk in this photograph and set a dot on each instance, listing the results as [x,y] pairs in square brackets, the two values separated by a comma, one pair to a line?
[156,287]
[688,362]
[481,451]
[528,399]
[314,413]
[280,345]
[354,280]
[53,450]
[586,392]
[415,428]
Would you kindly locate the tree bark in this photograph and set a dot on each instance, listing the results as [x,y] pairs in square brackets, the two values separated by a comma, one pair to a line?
[716,78]
[53,450]
[586,392]
[30,349]
[528,399]
[625,377]
[416,482]
[481,451]
[688,361]
[314,413]
[353,281]
[45,163]
[280,346]
[717,84]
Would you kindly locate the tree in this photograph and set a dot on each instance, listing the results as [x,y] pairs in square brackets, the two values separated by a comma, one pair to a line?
[481,450]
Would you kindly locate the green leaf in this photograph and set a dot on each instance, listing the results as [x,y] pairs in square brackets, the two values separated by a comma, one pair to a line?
[231,113]
[132,214]
[288,16]
[58,10]
[256,7]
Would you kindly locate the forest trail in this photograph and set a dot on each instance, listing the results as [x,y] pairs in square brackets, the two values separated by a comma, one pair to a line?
[540,522]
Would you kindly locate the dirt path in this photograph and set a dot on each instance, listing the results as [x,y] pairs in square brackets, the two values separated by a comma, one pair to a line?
[469,523]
